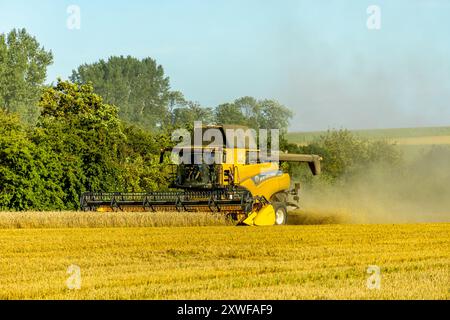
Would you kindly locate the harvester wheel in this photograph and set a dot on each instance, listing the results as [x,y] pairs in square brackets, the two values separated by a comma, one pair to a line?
[280,213]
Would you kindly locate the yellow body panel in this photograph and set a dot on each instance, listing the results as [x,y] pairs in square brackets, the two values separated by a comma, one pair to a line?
[262,217]
[261,179]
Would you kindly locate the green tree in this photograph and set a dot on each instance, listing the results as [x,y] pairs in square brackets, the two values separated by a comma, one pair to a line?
[138,87]
[96,151]
[139,161]
[256,114]
[85,134]
[185,116]
[23,69]
[29,175]
[230,113]
[346,154]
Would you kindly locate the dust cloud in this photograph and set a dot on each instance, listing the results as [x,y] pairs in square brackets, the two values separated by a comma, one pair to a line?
[418,190]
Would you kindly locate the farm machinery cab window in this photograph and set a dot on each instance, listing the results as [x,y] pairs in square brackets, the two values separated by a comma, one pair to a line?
[196,176]
[202,172]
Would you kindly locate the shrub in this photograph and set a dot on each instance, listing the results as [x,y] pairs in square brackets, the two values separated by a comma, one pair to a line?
[345,154]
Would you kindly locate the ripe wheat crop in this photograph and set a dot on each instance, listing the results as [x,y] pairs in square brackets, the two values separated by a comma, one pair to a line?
[71,219]
[226,262]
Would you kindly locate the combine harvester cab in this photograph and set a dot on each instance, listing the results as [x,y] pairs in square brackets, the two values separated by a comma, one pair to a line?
[238,184]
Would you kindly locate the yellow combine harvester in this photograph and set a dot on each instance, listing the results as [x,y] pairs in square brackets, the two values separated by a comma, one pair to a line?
[249,191]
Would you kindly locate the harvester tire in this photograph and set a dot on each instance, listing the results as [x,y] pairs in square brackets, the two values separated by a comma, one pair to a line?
[281,215]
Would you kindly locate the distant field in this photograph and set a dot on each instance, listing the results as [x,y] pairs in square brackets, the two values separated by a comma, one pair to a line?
[223,262]
[425,140]
[408,136]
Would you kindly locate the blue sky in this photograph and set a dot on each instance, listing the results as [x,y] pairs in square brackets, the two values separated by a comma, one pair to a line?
[316,57]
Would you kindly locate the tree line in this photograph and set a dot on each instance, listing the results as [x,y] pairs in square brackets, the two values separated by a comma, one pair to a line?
[103,128]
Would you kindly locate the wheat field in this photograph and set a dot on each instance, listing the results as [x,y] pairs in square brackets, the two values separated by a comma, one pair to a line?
[91,219]
[227,262]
